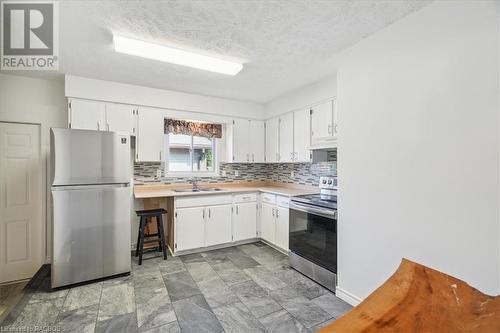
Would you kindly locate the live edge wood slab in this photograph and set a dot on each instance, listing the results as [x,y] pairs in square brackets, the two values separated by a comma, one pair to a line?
[419,299]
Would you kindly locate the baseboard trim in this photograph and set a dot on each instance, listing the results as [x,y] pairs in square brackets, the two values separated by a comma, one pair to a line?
[216,247]
[347,296]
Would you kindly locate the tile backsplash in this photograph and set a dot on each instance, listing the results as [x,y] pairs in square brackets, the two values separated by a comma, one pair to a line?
[303,173]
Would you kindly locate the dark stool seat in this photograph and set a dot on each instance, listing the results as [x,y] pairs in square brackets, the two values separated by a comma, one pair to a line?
[145,217]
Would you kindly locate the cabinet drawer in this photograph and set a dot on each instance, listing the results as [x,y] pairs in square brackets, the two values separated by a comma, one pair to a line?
[268,198]
[246,197]
[283,201]
[205,200]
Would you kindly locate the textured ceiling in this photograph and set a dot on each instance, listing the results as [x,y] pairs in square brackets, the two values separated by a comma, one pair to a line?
[283,43]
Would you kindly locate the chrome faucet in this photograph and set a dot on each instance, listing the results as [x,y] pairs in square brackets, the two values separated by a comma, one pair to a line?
[195,184]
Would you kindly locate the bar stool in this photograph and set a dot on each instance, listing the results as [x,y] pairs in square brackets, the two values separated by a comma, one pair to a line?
[145,218]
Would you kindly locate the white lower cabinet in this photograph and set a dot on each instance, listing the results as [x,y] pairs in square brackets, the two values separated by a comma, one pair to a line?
[244,221]
[203,221]
[274,220]
[268,222]
[282,227]
[217,225]
[190,228]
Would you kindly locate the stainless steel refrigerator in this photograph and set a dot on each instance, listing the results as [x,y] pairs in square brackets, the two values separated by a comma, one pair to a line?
[91,195]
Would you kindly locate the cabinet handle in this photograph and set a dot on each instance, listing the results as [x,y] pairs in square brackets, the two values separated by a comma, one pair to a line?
[335,128]
[329,129]
[160,156]
[107,125]
[98,126]
[253,158]
[277,212]
[277,157]
[248,157]
[237,210]
[209,214]
[203,213]
[273,211]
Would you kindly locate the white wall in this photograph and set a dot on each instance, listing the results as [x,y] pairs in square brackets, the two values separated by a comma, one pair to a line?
[302,97]
[419,148]
[35,101]
[137,95]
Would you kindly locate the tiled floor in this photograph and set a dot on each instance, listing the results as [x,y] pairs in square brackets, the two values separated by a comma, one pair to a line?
[9,295]
[248,288]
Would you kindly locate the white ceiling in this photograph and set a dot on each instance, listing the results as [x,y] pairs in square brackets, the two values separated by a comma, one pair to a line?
[284,43]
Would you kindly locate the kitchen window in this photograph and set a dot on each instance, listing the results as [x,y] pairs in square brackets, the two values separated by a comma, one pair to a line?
[191,149]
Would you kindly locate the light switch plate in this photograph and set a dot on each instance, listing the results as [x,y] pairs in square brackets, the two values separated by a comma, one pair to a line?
[158,173]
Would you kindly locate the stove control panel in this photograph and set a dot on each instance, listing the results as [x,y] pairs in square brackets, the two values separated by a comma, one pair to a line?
[329,183]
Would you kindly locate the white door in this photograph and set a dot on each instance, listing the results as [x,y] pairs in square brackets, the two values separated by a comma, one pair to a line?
[244,221]
[150,131]
[120,118]
[241,145]
[272,129]
[217,225]
[20,202]
[89,115]
[286,138]
[282,216]
[189,228]
[257,142]
[321,120]
[301,135]
[268,223]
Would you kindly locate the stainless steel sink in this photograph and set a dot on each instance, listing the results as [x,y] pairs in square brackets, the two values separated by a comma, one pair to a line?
[185,190]
[206,189]
[210,189]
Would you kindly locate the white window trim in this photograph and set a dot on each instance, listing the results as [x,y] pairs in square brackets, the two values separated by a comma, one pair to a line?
[201,174]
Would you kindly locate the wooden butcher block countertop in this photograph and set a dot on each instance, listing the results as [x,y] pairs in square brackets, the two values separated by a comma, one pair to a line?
[164,190]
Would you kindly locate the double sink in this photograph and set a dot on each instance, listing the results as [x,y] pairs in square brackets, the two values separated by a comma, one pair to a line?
[201,189]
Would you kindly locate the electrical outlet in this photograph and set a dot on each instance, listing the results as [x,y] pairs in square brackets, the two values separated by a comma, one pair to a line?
[236,173]
[292,174]
[224,173]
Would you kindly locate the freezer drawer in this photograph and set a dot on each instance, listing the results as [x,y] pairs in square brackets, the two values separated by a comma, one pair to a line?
[83,157]
[91,233]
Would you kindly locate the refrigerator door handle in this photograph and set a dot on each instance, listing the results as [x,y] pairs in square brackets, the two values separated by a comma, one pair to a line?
[85,187]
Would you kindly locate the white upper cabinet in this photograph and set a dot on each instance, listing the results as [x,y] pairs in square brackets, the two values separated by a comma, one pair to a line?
[100,116]
[246,141]
[322,125]
[272,128]
[286,152]
[120,118]
[89,115]
[240,145]
[257,141]
[150,131]
[301,135]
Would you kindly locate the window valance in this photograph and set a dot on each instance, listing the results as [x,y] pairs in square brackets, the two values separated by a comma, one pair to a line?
[193,128]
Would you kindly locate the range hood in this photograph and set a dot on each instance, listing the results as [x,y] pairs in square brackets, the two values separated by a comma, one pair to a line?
[326,143]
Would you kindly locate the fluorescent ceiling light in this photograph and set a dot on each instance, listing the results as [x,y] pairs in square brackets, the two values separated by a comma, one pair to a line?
[175,56]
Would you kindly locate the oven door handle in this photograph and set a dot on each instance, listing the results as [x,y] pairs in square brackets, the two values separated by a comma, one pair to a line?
[314,210]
